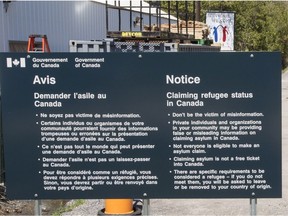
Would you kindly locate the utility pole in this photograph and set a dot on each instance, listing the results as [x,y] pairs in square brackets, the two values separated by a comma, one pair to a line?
[197,10]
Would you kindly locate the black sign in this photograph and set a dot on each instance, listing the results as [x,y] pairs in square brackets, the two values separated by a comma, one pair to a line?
[155,125]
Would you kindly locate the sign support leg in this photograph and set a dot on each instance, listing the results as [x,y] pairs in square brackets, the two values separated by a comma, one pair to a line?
[253,206]
[37,208]
[146,207]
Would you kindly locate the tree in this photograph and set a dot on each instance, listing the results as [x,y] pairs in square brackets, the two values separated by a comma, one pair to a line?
[259,25]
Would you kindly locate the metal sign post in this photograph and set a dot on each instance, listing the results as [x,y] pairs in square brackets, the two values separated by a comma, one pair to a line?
[38,208]
[253,206]
[146,207]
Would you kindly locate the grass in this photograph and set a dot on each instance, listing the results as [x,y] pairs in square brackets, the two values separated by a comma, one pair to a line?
[68,208]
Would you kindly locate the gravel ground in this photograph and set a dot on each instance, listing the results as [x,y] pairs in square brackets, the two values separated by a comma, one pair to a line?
[90,207]
[217,206]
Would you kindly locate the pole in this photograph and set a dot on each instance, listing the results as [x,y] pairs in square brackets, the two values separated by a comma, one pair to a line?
[198,11]
[37,208]
[146,207]
[253,205]
[107,19]
[194,11]
[118,206]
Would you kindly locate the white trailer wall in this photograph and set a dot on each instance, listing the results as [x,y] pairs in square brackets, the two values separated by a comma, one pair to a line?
[61,21]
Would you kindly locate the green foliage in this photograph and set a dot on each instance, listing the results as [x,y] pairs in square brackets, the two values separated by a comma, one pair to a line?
[68,208]
[181,5]
[259,25]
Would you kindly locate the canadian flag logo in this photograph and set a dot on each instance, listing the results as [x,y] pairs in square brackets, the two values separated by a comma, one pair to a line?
[16,62]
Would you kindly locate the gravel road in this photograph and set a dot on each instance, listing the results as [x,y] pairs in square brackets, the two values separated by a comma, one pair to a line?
[218,206]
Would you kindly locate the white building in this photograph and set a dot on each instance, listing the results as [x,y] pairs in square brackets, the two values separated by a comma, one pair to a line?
[62,21]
